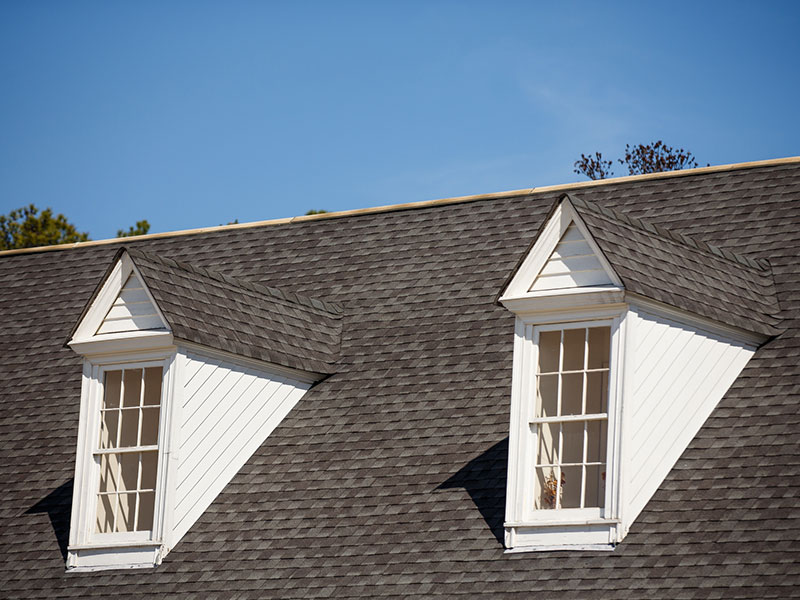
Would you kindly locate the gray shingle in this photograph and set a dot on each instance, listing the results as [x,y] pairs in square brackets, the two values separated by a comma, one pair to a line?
[687,273]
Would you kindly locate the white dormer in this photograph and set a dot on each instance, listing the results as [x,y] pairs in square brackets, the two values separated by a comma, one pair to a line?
[165,424]
[609,387]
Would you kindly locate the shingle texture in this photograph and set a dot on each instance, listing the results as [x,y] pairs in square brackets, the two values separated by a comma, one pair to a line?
[387,480]
[684,272]
[241,317]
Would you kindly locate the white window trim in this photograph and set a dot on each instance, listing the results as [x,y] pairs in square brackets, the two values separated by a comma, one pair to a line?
[84,543]
[588,528]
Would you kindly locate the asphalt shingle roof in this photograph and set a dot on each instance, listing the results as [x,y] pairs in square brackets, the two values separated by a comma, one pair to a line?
[684,272]
[387,480]
[241,317]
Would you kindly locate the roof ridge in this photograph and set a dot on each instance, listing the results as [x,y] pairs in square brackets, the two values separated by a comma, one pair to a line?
[417,205]
[760,264]
[302,300]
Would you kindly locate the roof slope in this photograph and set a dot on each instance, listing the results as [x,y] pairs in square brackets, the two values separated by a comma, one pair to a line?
[388,479]
[244,318]
[683,272]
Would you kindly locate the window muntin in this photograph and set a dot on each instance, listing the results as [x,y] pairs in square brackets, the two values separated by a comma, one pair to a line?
[569,419]
[127,449]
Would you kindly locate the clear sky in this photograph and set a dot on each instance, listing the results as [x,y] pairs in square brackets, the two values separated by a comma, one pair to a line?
[193,114]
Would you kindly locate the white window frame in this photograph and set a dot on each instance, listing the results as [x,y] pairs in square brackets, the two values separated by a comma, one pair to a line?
[562,514]
[83,535]
[535,529]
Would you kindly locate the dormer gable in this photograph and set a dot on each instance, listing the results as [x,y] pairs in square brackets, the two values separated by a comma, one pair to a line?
[564,260]
[573,263]
[121,308]
[133,310]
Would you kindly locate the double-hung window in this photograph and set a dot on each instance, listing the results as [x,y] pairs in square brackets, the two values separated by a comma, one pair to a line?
[126,453]
[569,419]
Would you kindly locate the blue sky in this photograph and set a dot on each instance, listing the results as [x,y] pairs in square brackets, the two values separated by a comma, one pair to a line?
[193,114]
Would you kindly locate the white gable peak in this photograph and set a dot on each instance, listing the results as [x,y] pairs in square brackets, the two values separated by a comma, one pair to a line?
[133,310]
[573,263]
[564,258]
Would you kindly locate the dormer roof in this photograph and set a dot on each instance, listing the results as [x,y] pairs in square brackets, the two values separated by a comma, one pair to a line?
[245,319]
[584,247]
[682,271]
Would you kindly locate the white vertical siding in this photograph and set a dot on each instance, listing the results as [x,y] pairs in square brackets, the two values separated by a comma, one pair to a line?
[228,411]
[680,374]
[131,311]
[572,264]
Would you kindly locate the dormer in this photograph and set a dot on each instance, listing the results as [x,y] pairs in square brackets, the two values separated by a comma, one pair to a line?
[186,372]
[627,337]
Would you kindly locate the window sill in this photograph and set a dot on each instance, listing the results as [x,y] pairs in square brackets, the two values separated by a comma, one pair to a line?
[563,523]
[562,534]
[104,545]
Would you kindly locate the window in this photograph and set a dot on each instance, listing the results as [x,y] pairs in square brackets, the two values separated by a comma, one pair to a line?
[564,444]
[569,421]
[119,512]
[127,449]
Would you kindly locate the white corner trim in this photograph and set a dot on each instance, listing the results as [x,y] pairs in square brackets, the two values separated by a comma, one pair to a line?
[102,302]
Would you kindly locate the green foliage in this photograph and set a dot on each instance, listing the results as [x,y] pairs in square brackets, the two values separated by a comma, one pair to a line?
[142,227]
[26,228]
[314,211]
[643,158]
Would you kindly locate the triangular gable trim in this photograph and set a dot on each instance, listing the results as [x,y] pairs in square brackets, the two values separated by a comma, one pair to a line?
[540,260]
[105,314]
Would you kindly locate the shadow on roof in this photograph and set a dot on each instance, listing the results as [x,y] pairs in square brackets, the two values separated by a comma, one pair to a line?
[484,479]
[58,506]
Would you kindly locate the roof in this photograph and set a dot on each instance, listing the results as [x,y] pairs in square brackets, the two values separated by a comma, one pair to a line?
[388,478]
[683,272]
[244,318]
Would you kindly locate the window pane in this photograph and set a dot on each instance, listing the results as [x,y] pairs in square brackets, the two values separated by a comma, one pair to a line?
[595,486]
[149,470]
[129,432]
[571,393]
[596,443]
[152,385]
[109,472]
[105,513]
[129,474]
[547,396]
[133,387]
[574,340]
[599,345]
[572,449]
[150,426]
[597,392]
[127,509]
[147,501]
[545,484]
[112,387]
[549,342]
[571,487]
[108,428]
[547,453]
